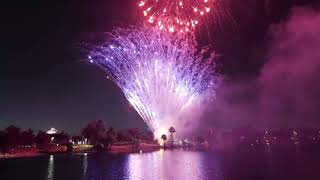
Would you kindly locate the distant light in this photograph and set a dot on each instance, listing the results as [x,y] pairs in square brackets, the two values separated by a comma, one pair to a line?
[140,151]
[52,131]
[85,154]
[91,61]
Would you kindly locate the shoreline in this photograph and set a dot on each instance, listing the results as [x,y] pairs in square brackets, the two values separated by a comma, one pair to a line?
[115,149]
[22,155]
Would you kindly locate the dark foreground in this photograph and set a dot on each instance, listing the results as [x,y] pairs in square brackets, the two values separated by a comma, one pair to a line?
[253,164]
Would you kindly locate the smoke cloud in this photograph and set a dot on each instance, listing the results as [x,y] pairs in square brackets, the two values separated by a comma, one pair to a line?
[290,80]
[287,92]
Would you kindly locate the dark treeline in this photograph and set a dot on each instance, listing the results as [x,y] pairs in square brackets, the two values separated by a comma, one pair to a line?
[95,133]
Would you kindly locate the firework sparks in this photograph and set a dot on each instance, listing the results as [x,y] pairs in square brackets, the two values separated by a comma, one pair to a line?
[175,15]
[162,77]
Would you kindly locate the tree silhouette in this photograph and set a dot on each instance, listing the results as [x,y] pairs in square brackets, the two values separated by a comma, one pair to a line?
[42,140]
[110,138]
[13,136]
[164,138]
[2,141]
[61,138]
[94,132]
[27,138]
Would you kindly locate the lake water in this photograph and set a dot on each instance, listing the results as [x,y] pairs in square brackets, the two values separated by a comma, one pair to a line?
[177,164]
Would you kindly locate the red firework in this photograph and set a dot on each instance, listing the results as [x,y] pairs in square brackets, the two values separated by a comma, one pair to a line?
[175,15]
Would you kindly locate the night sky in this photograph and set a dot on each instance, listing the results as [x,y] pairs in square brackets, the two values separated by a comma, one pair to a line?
[45,80]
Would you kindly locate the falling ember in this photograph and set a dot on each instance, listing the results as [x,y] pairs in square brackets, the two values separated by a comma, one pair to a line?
[169,12]
[162,76]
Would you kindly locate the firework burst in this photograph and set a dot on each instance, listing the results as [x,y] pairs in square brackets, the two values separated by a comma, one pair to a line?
[163,78]
[175,15]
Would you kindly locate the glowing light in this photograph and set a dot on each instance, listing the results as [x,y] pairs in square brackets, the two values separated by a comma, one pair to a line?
[169,11]
[53,130]
[50,168]
[162,129]
[142,3]
[171,29]
[162,76]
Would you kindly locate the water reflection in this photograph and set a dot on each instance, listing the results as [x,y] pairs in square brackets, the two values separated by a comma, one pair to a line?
[168,165]
[50,168]
[85,164]
[242,164]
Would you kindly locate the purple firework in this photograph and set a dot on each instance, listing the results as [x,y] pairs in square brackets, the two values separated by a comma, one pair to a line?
[163,76]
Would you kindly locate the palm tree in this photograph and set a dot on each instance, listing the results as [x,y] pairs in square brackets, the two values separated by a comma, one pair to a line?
[164,138]
[171,131]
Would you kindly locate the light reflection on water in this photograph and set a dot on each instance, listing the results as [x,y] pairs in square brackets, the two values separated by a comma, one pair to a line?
[85,164]
[50,168]
[168,165]
[177,164]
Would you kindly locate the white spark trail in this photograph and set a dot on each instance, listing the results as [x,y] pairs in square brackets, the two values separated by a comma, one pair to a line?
[162,75]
